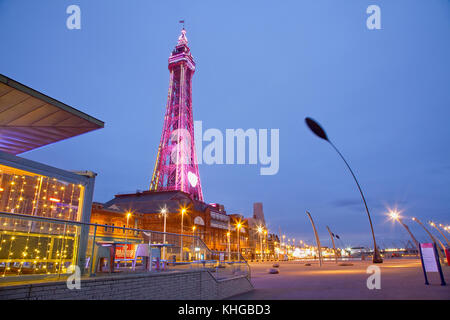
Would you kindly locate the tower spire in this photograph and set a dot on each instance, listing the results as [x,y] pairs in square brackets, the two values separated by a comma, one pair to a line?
[182,39]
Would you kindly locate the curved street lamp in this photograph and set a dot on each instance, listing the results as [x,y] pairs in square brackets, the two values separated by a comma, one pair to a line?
[334,246]
[394,215]
[439,230]
[433,239]
[318,131]
[319,248]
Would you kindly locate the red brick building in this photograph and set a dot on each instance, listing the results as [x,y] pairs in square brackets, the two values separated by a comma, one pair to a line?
[210,222]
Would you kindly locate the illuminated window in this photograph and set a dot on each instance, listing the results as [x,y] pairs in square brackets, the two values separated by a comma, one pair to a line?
[29,193]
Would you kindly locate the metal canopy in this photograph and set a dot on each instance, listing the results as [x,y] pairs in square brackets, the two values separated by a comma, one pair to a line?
[30,119]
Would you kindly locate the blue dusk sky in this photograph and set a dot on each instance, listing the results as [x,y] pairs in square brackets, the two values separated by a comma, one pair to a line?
[383,97]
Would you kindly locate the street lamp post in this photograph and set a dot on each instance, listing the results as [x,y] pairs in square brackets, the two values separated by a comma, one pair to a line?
[228,243]
[332,241]
[164,213]
[439,230]
[396,216]
[238,227]
[126,240]
[266,245]
[433,239]
[317,130]
[193,241]
[183,211]
[260,231]
[317,238]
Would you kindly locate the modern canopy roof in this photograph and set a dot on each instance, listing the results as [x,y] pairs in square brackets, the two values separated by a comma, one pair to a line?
[30,119]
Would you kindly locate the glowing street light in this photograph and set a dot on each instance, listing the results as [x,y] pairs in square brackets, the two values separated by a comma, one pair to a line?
[260,231]
[395,215]
[439,230]
[318,131]
[126,240]
[238,228]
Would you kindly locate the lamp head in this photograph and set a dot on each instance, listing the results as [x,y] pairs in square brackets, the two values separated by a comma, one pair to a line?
[316,128]
[394,215]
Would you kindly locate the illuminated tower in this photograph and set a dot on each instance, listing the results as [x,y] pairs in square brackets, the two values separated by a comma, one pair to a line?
[176,163]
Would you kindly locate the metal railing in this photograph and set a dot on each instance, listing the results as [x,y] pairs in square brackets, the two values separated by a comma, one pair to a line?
[34,247]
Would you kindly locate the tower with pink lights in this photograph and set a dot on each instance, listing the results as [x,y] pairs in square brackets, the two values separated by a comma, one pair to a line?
[176,162]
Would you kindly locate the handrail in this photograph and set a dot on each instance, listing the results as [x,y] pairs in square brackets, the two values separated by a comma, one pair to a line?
[56,220]
[197,239]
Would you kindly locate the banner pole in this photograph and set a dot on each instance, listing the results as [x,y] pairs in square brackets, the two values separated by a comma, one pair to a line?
[423,265]
[439,264]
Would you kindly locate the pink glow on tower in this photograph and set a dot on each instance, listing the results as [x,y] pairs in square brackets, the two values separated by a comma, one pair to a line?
[176,163]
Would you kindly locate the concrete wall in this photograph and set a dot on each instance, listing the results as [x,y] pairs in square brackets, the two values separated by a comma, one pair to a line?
[188,285]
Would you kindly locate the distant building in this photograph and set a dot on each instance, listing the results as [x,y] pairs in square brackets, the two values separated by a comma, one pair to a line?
[258,213]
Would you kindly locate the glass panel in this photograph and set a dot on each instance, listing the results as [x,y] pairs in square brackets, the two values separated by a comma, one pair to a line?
[29,193]
[36,247]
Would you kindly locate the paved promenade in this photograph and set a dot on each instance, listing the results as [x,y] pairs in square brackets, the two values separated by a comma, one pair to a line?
[400,279]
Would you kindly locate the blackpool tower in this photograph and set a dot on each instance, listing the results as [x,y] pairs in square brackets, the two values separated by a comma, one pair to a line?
[176,162]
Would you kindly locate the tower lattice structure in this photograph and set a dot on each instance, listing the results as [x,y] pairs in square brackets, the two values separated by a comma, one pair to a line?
[176,162]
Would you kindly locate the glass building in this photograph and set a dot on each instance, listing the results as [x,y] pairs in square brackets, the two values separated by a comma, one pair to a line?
[42,208]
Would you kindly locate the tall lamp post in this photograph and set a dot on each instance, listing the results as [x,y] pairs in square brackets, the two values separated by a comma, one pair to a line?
[334,246]
[260,231]
[317,238]
[183,211]
[228,242]
[193,241]
[266,245]
[164,213]
[238,228]
[318,131]
[126,240]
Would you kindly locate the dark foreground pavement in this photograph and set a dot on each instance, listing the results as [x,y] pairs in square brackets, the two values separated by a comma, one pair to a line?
[400,279]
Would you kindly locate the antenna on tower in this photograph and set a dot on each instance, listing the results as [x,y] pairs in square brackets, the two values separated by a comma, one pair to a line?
[182,21]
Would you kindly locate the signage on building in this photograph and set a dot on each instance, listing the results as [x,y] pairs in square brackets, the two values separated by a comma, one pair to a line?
[120,251]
